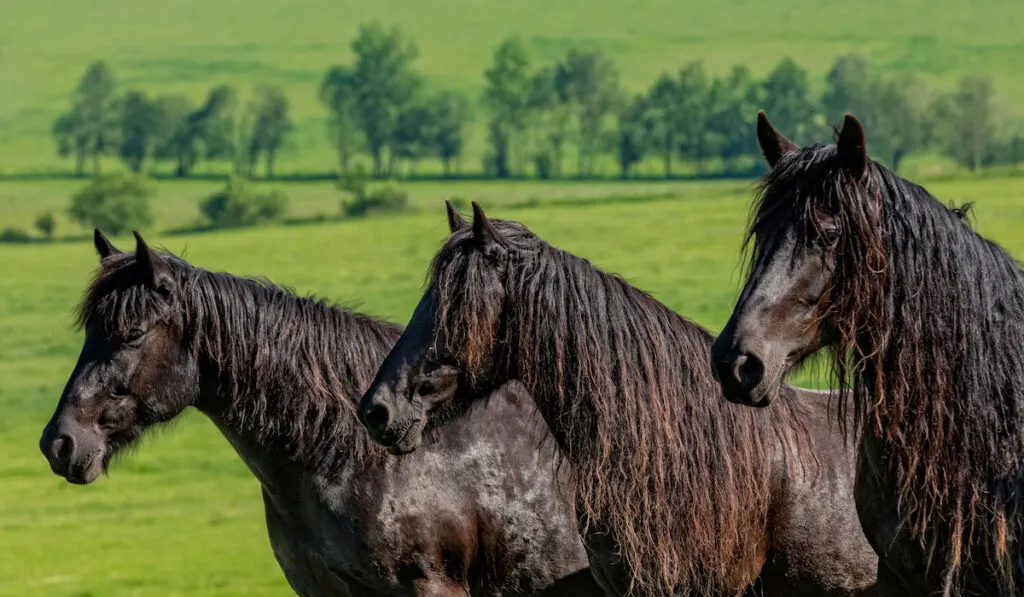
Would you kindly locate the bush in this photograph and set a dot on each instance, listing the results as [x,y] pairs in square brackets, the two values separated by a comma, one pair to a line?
[14,235]
[46,225]
[236,205]
[114,203]
[387,199]
[363,202]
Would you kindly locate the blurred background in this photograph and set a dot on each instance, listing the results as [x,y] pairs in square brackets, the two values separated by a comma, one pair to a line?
[313,142]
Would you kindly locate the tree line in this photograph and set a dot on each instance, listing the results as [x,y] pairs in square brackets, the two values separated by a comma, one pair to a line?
[537,117]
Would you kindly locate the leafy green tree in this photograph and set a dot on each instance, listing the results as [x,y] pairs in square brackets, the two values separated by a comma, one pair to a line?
[506,95]
[338,92]
[786,97]
[46,225]
[733,101]
[969,116]
[693,105]
[174,135]
[114,202]
[550,107]
[140,129]
[90,128]
[901,121]
[269,126]
[386,85]
[593,88]
[663,105]
[633,135]
[449,113]
[849,87]
[413,136]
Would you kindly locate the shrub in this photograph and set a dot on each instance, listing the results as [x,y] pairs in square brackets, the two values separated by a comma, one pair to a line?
[383,200]
[236,205]
[46,225]
[364,202]
[14,235]
[114,203]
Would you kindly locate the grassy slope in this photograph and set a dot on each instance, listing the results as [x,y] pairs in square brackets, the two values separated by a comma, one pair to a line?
[183,516]
[189,45]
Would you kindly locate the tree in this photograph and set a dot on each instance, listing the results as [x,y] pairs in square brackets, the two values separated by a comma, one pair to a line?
[663,105]
[385,84]
[174,135]
[412,136]
[786,97]
[338,92]
[114,202]
[849,88]
[506,95]
[733,102]
[269,126]
[692,106]
[89,129]
[550,108]
[46,224]
[140,127]
[449,113]
[633,135]
[969,116]
[593,88]
[901,121]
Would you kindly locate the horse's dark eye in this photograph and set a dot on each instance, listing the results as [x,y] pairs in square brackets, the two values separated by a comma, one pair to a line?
[830,235]
[134,336]
[425,388]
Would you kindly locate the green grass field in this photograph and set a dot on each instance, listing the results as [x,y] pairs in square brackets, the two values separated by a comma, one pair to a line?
[183,516]
[190,45]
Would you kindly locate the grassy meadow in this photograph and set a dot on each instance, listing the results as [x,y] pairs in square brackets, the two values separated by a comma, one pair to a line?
[188,46]
[183,516]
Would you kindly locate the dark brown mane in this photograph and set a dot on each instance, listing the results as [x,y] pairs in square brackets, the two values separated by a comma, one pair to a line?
[675,473]
[930,319]
[290,367]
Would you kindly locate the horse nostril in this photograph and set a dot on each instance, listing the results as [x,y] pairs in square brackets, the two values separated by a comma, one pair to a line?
[377,417]
[62,449]
[748,370]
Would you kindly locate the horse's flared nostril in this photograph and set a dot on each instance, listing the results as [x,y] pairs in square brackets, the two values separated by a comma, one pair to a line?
[748,371]
[61,451]
[377,417]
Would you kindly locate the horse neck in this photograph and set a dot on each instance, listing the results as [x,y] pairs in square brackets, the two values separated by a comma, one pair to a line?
[281,374]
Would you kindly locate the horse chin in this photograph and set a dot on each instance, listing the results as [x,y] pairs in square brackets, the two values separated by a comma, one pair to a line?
[408,440]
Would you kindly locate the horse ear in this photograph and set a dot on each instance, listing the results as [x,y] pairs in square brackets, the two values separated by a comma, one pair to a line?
[455,220]
[103,245]
[852,147]
[483,230]
[773,144]
[150,265]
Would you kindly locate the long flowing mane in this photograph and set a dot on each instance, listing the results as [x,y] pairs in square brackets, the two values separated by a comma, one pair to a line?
[931,323]
[679,477]
[290,367]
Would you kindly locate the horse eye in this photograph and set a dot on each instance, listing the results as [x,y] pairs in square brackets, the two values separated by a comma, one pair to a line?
[134,335]
[425,388]
[830,235]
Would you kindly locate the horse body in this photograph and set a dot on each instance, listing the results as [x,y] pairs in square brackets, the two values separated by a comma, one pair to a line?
[924,320]
[676,491]
[480,511]
[446,521]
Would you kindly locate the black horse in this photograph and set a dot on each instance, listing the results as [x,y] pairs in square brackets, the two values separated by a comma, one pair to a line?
[924,319]
[676,490]
[480,511]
